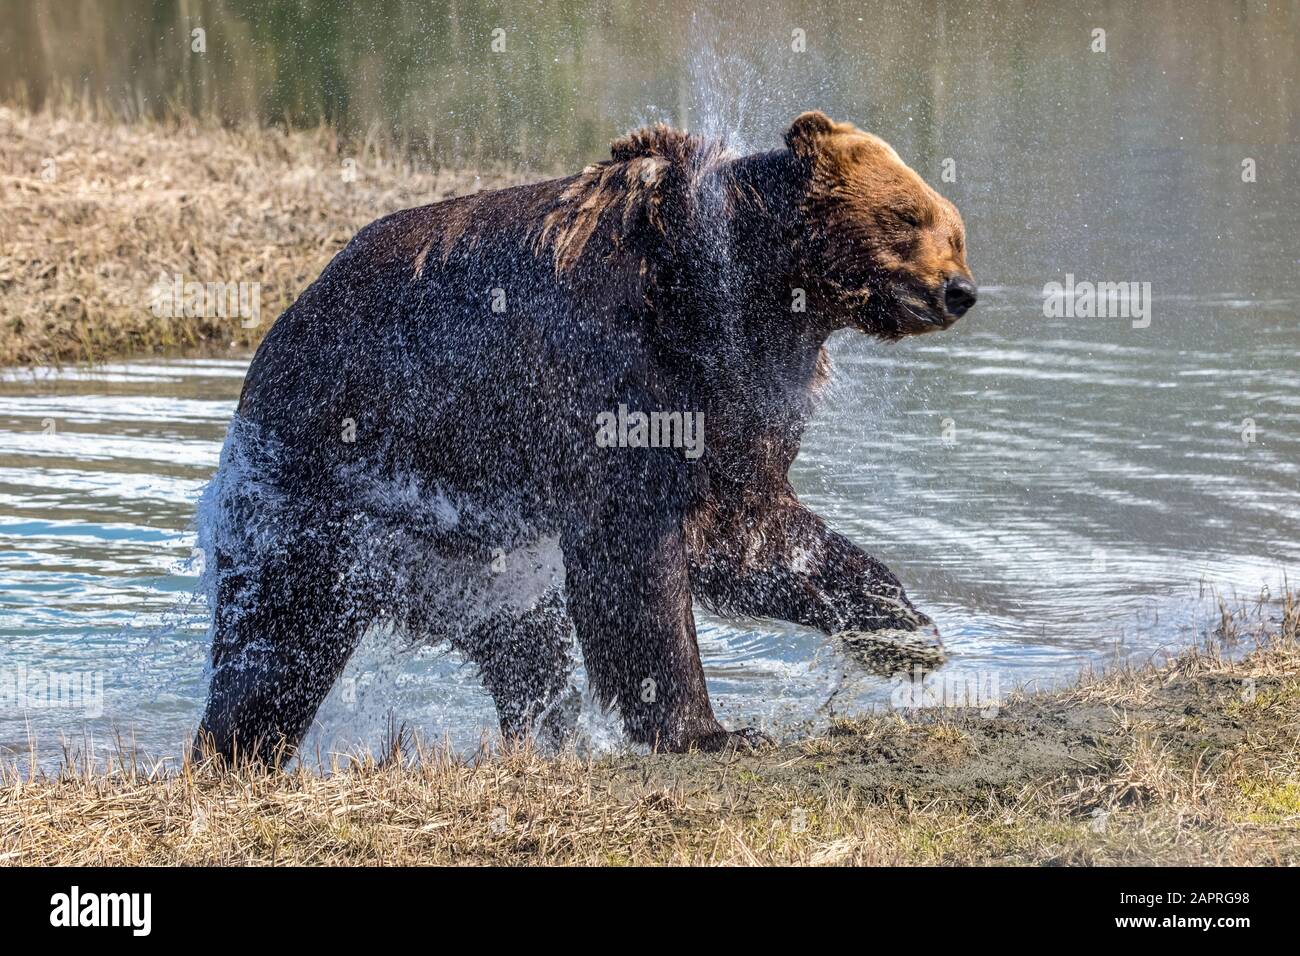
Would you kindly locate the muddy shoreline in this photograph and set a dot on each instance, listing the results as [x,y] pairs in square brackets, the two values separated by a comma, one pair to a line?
[1192,761]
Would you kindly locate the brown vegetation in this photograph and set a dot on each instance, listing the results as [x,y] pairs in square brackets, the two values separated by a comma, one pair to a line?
[94,212]
[1196,760]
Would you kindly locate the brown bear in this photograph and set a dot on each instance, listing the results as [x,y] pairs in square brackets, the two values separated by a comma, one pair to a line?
[482,424]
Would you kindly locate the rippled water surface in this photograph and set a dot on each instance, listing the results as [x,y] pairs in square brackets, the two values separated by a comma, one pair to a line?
[1052,493]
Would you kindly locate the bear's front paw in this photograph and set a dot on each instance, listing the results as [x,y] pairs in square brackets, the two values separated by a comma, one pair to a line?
[891,650]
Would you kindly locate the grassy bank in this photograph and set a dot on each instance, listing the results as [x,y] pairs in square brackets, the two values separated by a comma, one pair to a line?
[1194,760]
[93,212]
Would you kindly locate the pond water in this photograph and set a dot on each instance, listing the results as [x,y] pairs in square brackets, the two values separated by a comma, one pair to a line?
[1052,490]
[1051,498]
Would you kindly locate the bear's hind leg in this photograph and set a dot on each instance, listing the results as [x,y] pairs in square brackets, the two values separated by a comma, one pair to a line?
[282,636]
[525,663]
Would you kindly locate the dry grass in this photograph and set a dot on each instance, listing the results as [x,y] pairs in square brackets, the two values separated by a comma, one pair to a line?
[1196,760]
[93,211]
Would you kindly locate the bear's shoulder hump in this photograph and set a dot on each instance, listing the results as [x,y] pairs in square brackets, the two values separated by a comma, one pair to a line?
[663,141]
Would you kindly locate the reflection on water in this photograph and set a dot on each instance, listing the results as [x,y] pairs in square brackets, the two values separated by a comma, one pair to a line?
[1049,488]
[553,81]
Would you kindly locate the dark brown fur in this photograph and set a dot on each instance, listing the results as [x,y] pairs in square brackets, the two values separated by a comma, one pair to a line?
[661,279]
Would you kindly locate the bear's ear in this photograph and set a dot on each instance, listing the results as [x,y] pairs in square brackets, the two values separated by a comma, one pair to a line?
[807,131]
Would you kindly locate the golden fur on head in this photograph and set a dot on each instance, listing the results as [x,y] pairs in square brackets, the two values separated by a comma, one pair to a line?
[882,230]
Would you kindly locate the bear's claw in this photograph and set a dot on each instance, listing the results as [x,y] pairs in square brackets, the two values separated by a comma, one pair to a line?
[748,740]
[889,651]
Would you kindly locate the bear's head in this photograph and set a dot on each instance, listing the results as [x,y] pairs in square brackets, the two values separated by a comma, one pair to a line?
[881,251]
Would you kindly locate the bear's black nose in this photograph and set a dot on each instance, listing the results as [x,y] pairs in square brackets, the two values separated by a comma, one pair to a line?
[959,295]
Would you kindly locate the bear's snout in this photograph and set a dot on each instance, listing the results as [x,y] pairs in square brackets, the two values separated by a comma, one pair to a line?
[959,295]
